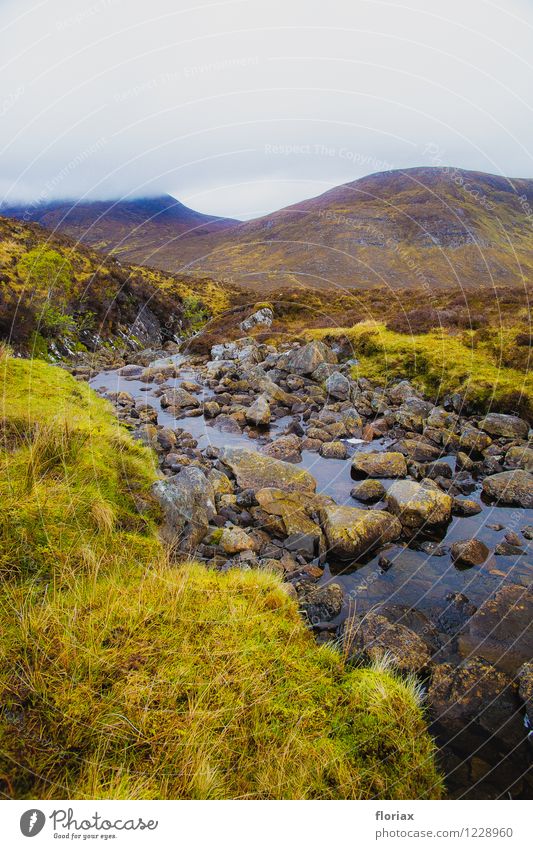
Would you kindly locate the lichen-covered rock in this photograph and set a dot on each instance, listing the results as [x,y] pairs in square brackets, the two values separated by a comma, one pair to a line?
[418,505]
[524,676]
[368,491]
[321,604]
[499,424]
[294,509]
[469,552]
[259,413]
[413,413]
[306,359]
[352,532]
[188,502]
[335,450]
[519,457]
[466,507]
[338,386]
[178,398]
[375,637]
[235,539]
[379,464]
[514,487]
[254,471]
[474,441]
[262,317]
[421,452]
[287,448]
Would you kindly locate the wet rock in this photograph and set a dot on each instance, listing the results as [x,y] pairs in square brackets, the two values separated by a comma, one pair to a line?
[227,423]
[465,507]
[335,450]
[501,631]
[413,619]
[499,424]
[506,549]
[178,398]
[258,413]
[418,505]
[456,614]
[436,469]
[352,532]
[421,452]
[374,637]
[254,471]
[379,464]
[321,604]
[368,491]
[515,487]
[287,448]
[338,386]
[469,552]
[527,531]
[130,371]
[188,503]
[295,511]
[306,359]
[519,457]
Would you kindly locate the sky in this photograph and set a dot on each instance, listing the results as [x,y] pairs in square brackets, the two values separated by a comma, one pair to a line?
[241,107]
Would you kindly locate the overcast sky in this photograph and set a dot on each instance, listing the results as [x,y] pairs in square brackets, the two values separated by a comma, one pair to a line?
[241,107]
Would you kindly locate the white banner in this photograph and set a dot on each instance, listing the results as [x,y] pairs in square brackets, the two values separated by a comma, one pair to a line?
[272,825]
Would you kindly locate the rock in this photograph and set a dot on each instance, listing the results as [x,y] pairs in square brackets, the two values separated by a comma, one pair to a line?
[469,552]
[368,491]
[188,502]
[254,471]
[352,532]
[440,418]
[258,413]
[294,510]
[456,614]
[335,450]
[130,371]
[501,631]
[374,637]
[421,452]
[227,424]
[233,540]
[524,676]
[413,413]
[379,464]
[220,482]
[435,469]
[514,487]
[465,507]
[321,604]
[474,697]
[413,619]
[211,409]
[338,386]
[323,371]
[402,392]
[262,317]
[499,424]
[507,549]
[178,398]
[285,448]
[306,359]
[527,531]
[519,457]
[474,441]
[418,505]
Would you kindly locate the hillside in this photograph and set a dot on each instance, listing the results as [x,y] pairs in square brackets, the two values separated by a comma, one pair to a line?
[136,230]
[425,226]
[58,297]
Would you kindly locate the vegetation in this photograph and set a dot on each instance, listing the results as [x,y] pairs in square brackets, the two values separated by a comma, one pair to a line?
[126,676]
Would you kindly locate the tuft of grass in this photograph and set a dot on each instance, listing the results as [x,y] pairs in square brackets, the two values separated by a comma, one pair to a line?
[123,675]
[439,363]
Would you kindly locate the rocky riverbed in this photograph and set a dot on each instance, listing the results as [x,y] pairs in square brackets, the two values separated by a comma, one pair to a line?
[403,528]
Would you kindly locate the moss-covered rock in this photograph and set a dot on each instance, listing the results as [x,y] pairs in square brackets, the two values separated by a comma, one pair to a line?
[379,464]
[419,505]
[254,471]
[352,532]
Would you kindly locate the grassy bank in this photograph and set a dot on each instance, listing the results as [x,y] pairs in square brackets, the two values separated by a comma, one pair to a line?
[440,362]
[125,676]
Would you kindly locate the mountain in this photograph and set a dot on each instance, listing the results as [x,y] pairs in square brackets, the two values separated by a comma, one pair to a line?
[423,226]
[136,230]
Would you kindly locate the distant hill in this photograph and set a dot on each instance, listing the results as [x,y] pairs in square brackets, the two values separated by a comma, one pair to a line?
[136,230]
[423,226]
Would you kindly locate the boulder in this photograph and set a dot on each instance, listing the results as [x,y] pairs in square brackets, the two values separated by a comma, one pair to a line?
[352,532]
[295,510]
[466,507]
[514,487]
[374,638]
[178,398]
[418,505]
[306,359]
[262,317]
[501,630]
[338,386]
[321,604]
[519,457]
[368,491]
[474,441]
[287,448]
[469,552]
[188,503]
[254,471]
[335,450]
[421,452]
[499,424]
[379,464]
[258,413]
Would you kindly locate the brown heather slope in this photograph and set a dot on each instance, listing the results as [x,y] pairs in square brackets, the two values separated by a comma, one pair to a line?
[428,227]
[133,229]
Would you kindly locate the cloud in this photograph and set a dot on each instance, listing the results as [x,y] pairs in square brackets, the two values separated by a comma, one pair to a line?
[240,107]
